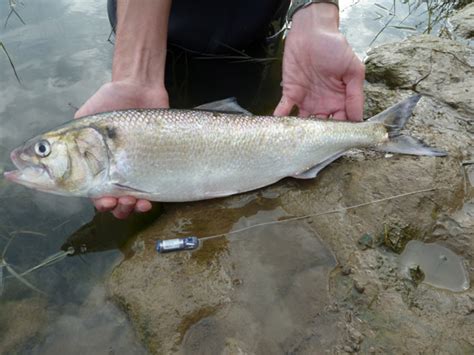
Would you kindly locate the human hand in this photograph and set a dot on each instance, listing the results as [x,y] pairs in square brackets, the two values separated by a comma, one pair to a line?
[115,96]
[321,73]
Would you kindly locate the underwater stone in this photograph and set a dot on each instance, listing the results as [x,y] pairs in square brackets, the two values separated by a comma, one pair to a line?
[366,242]
[440,266]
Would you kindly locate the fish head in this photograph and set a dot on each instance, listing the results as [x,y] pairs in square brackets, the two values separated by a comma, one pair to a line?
[69,162]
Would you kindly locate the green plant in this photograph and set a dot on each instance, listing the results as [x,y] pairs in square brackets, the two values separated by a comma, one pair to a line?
[427,15]
[2,46]
[13,4]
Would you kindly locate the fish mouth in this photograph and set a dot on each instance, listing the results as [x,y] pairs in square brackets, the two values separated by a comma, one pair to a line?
[27,172]
[13,175]
[16,158]
[20,163]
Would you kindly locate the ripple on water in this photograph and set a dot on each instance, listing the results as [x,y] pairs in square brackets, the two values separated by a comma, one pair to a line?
[440,266]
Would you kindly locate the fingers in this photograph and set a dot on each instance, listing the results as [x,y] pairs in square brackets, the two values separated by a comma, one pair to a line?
[83,110]
[143,206]
[322,116]
[123,206]
[355,92]
[284,107]
[340,116]
[304,113]
[105,203]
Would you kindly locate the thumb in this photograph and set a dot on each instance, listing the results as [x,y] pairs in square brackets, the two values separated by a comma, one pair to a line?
[84,110]
[79,113]
[284,107]
[355,93]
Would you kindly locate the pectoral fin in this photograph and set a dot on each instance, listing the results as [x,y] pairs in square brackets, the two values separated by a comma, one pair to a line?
[126,188]
[123,185]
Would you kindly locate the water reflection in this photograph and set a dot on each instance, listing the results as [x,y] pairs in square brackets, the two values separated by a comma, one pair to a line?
[367,23]
[105,232]
[62,56]
[436,265]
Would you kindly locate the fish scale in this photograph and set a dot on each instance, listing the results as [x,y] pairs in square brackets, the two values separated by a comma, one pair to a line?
[191,155]
[174,155]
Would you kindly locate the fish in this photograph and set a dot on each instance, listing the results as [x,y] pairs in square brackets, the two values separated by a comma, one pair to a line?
[178,155]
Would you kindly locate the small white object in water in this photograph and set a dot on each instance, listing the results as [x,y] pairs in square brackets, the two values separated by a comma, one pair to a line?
[441,267]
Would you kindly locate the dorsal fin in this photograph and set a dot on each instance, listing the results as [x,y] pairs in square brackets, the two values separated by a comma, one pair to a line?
[228,105]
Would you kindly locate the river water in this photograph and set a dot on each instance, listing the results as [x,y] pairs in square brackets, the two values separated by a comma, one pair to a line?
[62,56]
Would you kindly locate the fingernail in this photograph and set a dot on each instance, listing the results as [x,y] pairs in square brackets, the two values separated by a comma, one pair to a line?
[122,211]
[99,205]
[125,207]
[127,201]
[109,203]
[143,206]
[119,214]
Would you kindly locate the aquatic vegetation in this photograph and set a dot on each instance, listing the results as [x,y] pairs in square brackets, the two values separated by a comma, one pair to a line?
[5,265]
[416,274]
[430,15]
[396,237]
[2,46]
[366,242]
[13,4]
[20,276]
[438,11]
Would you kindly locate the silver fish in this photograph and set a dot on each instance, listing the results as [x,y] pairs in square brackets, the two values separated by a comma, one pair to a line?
[174,155]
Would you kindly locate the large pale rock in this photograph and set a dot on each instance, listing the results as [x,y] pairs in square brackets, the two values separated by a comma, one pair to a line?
[430,65]
[463,22]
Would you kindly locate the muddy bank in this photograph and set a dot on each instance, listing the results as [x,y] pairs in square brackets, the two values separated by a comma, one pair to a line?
[329,282]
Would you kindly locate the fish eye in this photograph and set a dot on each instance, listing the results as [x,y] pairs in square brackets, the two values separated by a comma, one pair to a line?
[42,148]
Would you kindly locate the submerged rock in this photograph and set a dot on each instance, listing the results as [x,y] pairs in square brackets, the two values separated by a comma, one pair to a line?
[252,284]
[439,266]
[21,323]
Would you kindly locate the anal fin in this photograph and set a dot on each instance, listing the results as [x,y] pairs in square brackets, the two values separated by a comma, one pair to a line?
[312,172]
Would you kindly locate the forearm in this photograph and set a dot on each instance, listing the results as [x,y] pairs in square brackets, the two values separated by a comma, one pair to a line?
[140,47]
[318,15]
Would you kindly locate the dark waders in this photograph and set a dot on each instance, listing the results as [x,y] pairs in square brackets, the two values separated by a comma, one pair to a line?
[219,49]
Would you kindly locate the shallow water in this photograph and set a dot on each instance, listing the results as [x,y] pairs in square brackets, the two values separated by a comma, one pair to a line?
[62,56]
[435,265]
[278,269]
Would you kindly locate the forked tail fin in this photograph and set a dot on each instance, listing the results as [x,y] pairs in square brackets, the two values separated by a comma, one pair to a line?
[394,118]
